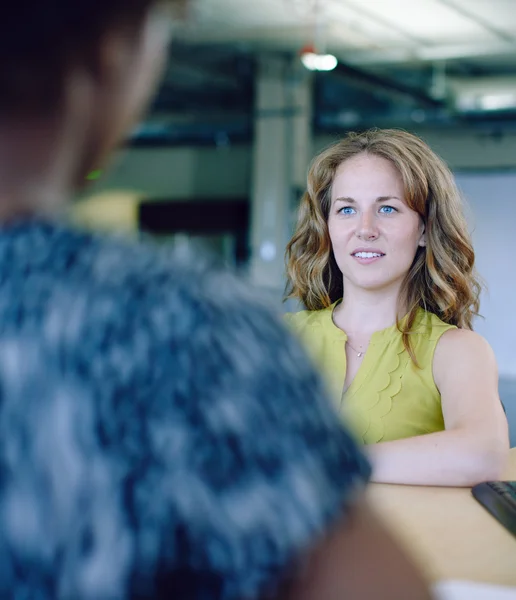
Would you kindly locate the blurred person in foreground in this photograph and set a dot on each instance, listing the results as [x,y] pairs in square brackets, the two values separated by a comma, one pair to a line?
[159,434]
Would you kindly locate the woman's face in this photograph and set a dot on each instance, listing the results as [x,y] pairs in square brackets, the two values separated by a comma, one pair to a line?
[373,232]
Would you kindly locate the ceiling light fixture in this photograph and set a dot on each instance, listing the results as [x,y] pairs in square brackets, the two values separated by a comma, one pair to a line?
[315,61]
[313,55]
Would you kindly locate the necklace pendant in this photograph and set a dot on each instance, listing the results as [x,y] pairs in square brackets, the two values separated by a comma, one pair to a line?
[360,354]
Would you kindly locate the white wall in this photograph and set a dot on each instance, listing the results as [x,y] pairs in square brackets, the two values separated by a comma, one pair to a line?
[492,201]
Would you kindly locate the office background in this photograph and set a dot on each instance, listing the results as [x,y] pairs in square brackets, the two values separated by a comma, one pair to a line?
[221,158]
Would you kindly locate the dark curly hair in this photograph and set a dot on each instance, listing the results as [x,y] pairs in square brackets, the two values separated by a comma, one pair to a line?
[41,39]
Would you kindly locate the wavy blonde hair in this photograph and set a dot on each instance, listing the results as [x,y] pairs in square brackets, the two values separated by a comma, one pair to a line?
[442,278]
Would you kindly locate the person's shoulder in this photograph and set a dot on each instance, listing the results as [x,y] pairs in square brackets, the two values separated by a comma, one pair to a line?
[463,353]
[303,320]
[430,326]
[187,300]
[104,291]
[450,338]
[464,343]
[155,276]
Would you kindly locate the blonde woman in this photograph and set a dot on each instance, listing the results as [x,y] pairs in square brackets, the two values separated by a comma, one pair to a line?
[382,260]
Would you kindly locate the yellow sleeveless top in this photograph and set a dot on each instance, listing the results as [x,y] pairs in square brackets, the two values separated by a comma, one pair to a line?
[390,398]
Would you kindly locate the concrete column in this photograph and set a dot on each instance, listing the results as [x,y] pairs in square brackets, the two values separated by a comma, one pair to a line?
[282,150]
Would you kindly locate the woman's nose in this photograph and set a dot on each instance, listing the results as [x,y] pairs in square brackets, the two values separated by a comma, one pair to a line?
[367,229]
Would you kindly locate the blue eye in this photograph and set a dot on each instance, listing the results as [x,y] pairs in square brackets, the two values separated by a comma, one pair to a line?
[347,210]
[388,210]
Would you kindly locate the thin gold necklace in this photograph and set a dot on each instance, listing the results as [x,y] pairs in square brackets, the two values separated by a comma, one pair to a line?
[359,354]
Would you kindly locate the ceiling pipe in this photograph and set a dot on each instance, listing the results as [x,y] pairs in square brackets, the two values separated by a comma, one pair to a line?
[393,87]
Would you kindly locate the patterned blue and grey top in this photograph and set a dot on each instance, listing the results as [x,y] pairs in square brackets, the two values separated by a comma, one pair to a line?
[161,435]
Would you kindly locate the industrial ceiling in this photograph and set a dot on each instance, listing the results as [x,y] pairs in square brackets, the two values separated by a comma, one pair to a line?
[441,63]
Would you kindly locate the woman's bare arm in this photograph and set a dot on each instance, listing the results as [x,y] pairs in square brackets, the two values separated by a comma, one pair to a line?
[474,447]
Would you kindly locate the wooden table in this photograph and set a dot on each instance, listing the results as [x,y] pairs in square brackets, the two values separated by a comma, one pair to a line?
[447,532]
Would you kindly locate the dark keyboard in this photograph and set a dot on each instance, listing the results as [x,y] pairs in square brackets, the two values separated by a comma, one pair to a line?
[499,498]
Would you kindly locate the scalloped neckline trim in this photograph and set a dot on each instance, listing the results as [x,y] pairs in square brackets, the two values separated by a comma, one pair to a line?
[381,336]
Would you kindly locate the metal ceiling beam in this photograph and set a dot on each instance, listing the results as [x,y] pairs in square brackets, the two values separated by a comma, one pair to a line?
[430,54]
[387,23]
[472,16]
[389,86]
